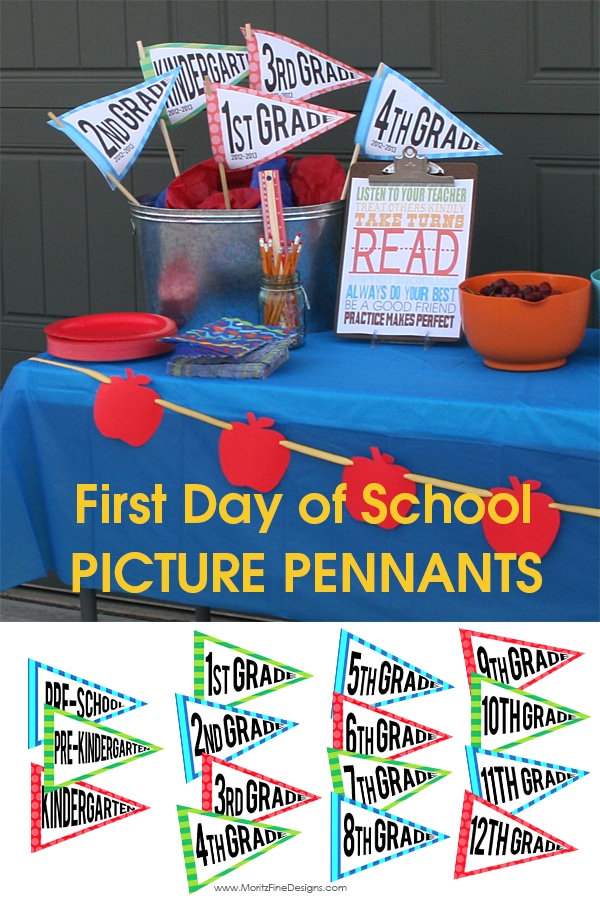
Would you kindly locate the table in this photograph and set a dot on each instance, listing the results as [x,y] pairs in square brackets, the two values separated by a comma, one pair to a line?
[438,411]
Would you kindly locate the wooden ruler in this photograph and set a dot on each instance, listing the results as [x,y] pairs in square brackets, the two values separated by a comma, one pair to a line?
[272,209]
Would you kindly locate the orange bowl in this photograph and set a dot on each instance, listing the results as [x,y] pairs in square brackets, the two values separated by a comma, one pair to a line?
[521,335]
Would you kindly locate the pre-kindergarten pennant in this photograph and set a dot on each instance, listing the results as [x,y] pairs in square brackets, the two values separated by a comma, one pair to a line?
[363,836]
[512,782]
[377,781]
[212,728]
[491,838]
[213,846]
[503,716]
[228,674]
[366,672]
[280,65]
[230,790]
[86,699]
[76,748]
[363,729]
[67,812]
[398,114]
[510,660]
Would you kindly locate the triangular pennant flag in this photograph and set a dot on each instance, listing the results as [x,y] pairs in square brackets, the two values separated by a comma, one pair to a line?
[217,62]
[363,836]
[280,65]
[70,811]
[228,674]
[230,790]
[77,748]
[502,716]
[248,127]
[85,699]
[377,781]
[512,782]
[511,660]
[213,846]
[491,835]
[367,730]
[398,114]
[206,727]
[365,672]
[112,131]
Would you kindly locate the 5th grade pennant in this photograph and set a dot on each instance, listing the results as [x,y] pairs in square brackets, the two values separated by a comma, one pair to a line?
[503,717]
[214,846]
[363,836]
[512,782]
[228,674]
[512,661]
[366,672]
[86,699]
[398,114]
[76,748]
[377,781]
[367,730]
[491,838]
[71,811]
[212,728]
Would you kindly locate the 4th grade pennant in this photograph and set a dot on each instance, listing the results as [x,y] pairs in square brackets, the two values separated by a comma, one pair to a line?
[212,728]
[86,699]
[213,846]
[511,661]
[363,836]
[398,114]
[71,811]
[503,717]
[75,748]
[377,781]
[280,65]
[248,127]
[228,674]
[512,782]
[112,131]
[491,838]
[366,672]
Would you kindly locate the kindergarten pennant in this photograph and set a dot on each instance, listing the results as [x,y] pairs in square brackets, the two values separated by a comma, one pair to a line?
[398,114]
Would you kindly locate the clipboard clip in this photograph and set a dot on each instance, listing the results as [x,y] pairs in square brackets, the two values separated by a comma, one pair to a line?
[410,168]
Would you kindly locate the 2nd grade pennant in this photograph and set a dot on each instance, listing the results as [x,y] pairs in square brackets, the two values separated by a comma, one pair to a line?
[512,782]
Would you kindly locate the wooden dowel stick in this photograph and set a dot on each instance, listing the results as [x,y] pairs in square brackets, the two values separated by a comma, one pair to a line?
[224,185]
[582,510]
[355,155]
[99,376]
[319,454]
[55,119]
[193,414]
[163,125]
[449,485]
[114,180]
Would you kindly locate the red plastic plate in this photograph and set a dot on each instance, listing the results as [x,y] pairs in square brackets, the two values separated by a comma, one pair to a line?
[110,336]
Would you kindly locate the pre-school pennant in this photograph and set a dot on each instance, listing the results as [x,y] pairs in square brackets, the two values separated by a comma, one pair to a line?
[86,699]
[363,836]
[217,62]
[510,660]
[503,717]
[212,728]
[366,672]
[398,114]
[73,810]
[249,127]
[491,838]
[76,748]
[512,782]
[230,790]
[214,846]
[228,674]
[113,130]
[377,781]
[360,728]
[280,65]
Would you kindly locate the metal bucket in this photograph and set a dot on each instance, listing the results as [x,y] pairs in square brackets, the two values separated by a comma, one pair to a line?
[201,264]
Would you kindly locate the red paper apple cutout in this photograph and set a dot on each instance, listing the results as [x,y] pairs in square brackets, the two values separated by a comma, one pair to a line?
[251,454]
[125,409]
[380,469]
[535,536]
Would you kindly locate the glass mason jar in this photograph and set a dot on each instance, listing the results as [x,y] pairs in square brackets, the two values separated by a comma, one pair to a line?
[282,303]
